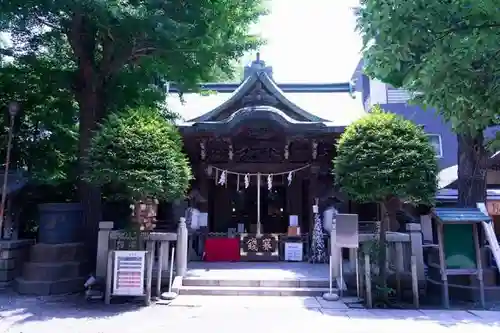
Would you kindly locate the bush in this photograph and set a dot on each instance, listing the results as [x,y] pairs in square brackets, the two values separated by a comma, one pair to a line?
[140,151]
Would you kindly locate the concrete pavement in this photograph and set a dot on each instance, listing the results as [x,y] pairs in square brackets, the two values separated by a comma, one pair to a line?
[220,314]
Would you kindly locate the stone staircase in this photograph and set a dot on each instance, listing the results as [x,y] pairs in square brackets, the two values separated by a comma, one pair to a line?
[253,287]
[53,269]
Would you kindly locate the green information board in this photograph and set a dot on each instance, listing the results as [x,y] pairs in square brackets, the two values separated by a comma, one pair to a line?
[459,249]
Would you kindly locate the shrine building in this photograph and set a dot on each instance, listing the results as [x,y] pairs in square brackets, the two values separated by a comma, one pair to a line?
[262,151]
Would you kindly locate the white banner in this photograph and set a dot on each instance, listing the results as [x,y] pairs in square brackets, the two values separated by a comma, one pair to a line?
[128,277]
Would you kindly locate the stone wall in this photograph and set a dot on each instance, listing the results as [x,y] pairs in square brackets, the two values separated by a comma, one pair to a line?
[13,254]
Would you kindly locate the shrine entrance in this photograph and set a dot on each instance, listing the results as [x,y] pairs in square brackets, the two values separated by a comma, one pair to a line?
[262,165]
[271,206]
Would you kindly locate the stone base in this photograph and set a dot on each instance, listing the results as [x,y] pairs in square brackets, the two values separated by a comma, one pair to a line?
[36,271]
[53,269]
[45,288]
[13,253]
[52,253]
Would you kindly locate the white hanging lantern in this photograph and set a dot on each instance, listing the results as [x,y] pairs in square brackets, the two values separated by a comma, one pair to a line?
[269,182]
[247,180]
[289,178]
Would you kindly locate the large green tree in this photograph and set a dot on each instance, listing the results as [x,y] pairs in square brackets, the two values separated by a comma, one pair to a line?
[179,41]
[447,54]
[385,158]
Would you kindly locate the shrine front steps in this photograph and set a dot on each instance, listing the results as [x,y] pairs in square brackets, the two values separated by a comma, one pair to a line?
[230,287]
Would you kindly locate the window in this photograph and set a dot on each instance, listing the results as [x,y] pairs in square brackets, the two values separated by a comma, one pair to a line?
[435,140]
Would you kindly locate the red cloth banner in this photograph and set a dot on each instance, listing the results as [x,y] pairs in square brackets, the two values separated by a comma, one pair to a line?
[222,249]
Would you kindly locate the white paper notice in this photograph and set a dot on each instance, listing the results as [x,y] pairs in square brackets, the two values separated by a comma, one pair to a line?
[203,219]
[293,251]
[293,220]
[129,273]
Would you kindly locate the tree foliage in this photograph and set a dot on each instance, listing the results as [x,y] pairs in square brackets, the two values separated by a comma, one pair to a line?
[104,45]
[141,151]
[447,54]
[45,130]
[382,156]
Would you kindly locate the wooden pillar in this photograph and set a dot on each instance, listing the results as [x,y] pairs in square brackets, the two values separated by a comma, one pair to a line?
[313,194]
[203,187]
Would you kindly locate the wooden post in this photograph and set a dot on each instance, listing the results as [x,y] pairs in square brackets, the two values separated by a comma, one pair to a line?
[150,256]
[368,280]
[414,282]
[479,264]
[442,266]
[109,278]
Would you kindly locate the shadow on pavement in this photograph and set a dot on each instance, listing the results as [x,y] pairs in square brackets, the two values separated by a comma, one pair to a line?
[21,309]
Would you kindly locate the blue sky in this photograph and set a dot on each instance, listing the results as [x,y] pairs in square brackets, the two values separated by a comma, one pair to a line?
[310,40]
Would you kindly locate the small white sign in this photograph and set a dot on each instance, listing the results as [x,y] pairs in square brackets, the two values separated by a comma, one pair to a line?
[346,231]
[293,251]
[203,219]
[315,209]
[128,277]
[293,220]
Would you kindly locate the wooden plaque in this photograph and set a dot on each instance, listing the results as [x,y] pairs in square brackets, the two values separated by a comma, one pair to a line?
[259,248]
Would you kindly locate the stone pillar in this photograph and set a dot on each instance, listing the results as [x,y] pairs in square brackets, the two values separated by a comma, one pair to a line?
[165,256]
[416,242]
[426,224]
[181,255]
[335,252]
[105,228]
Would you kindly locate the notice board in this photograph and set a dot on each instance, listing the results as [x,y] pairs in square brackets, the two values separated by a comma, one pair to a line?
[128,277]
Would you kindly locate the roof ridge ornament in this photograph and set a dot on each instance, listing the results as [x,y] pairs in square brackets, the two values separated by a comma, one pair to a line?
[257,67]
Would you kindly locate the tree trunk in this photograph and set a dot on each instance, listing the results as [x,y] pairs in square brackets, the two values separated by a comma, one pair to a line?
[90,100]
[382,254]
[472,161]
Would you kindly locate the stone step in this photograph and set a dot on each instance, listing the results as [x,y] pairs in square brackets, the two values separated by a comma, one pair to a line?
[251,291]
[282,283]
[42,271]
[57,252]
[45,288]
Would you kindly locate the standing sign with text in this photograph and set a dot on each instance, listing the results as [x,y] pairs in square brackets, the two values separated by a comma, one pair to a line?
[128,278]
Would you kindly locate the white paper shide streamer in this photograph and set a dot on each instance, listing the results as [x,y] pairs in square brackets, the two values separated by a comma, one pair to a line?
[221,176]
[222,179]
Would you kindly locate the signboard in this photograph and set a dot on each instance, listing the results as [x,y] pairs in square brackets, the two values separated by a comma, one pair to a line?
[346,231]
[259,248]
[493,207]
[128,277]
[293,251]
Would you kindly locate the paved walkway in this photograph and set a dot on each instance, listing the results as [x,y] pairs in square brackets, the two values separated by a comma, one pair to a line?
[229,314]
